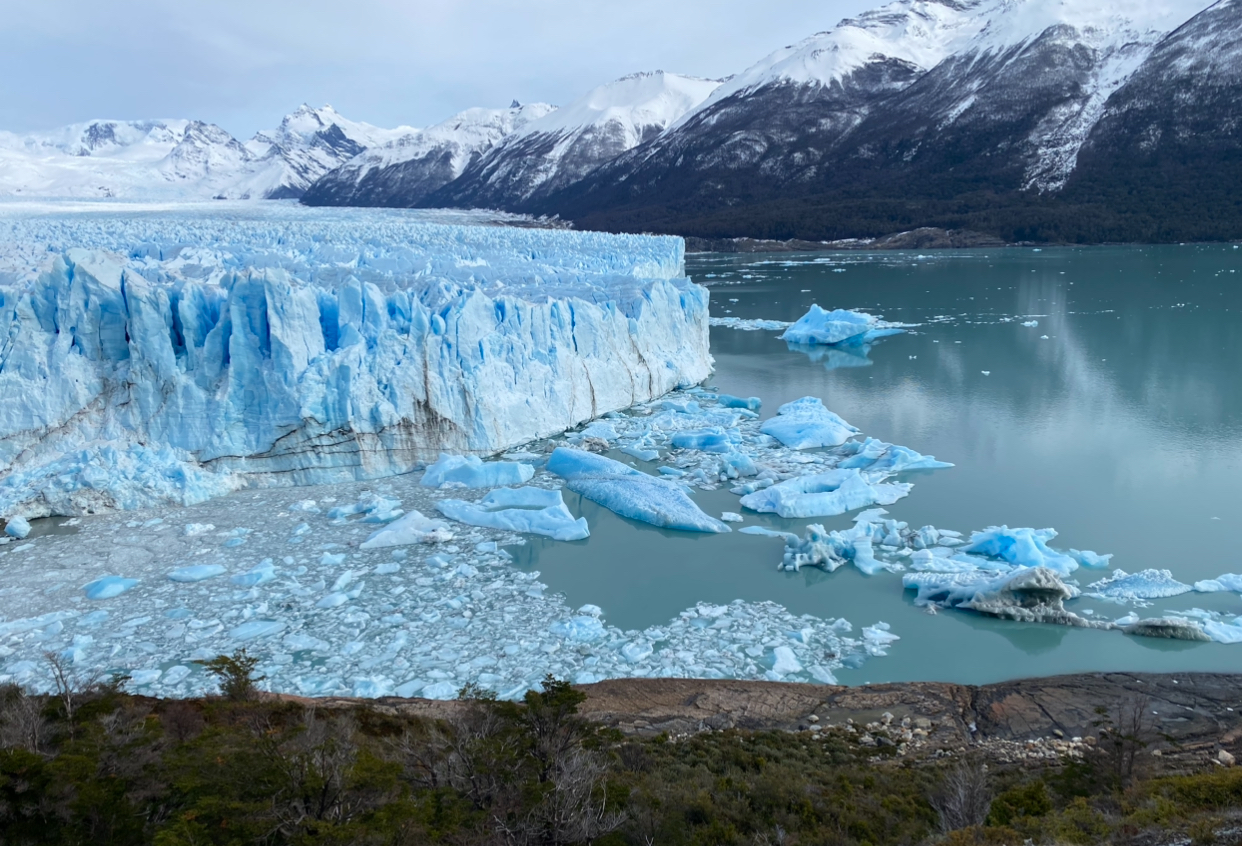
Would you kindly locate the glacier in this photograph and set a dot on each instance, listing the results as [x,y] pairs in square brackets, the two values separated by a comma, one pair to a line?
[169,356]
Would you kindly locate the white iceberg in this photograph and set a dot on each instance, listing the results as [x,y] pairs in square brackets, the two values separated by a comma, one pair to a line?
[1121,586]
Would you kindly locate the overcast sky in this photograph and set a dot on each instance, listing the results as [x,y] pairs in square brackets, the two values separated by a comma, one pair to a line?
[245,63]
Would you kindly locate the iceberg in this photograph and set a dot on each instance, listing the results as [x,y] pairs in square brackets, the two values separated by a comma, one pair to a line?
[531,510]
[1121,586]
[1226,582]
[629,492]
[197,573]
[824,495]
[806,424]
[409,529]
[1022,548]
[107,587]
[472,472]
[840,326]
[177,356]
[17,527]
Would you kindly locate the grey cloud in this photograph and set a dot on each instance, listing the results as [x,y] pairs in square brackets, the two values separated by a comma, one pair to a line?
[244,64]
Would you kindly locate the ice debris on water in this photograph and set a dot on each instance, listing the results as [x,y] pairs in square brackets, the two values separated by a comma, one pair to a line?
[1225,582]
[472,472]
[333,618]
[838,327]
[212,353]
[530,510]
[629,492]
[750,324]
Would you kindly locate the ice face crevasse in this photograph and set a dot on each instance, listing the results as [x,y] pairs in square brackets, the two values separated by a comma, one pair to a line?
[135,370]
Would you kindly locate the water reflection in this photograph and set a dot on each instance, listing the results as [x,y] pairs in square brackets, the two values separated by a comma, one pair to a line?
[834,358]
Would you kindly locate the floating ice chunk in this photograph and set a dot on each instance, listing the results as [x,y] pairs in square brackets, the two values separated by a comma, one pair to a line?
[473,472]
[767,533]
[176,674]
[440,690]
[1228,581]
[1030,324]
[630,493]
[261,573]
[256,628]
[1146,584]
[332,559]
[784,662]
[583,629]
[714,439]
[877,456]
[1172,628]
[142,678]
[824,495]
[17,527]
[1223,632]
[412,528]
[196,529]
[197,572]
[332,600]
[372,688]
[532,510]
[748,403]
[1026,594]
[307,505]
[1021,547]
[731,517]
[1087,558]
[641,454]
[639,650]
[878,639]
[806,424]
[108,587]
[837,327]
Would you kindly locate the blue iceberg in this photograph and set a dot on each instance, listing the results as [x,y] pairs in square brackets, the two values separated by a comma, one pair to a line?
[472,472]
[108,587]
[630,493]
[531,510]
[824,495]
[838,327]
[806,424]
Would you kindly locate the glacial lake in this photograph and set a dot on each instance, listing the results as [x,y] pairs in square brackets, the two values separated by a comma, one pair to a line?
[1121,429]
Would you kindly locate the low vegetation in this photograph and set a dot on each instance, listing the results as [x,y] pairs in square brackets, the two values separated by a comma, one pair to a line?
[99,766]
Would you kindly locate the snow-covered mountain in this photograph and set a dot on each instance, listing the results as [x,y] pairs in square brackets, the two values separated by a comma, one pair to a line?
[405,171]
[183,159]
[884,121]
[564,146]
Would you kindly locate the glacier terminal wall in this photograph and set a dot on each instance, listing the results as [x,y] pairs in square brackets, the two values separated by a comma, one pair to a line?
[157,357]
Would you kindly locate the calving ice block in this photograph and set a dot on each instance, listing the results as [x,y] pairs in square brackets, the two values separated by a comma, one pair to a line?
[168,358]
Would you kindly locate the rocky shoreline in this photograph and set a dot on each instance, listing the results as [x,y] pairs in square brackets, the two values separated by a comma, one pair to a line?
[1189,718]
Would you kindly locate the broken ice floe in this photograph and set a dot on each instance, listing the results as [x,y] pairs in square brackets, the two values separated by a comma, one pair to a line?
[327,616]
[1121,586]
[806,424]
[750,325]
[825,494]
[470,471]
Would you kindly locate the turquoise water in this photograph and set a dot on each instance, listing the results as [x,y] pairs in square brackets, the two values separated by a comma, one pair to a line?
[1122,430]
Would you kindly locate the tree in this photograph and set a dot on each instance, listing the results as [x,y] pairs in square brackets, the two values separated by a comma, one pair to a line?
[236,674]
